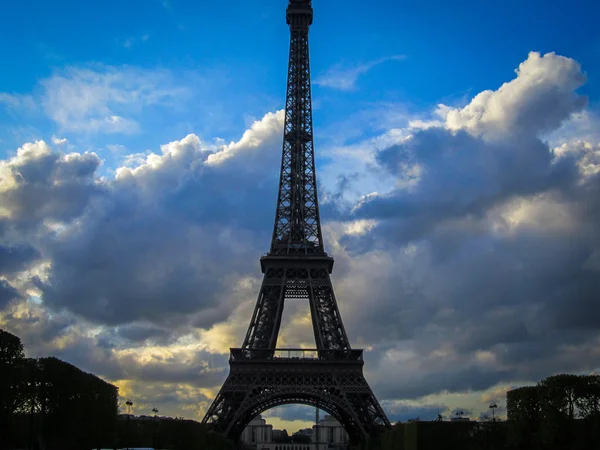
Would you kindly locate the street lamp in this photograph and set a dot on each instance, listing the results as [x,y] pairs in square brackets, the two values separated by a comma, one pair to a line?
[129,404]
[155,411]
[493,407]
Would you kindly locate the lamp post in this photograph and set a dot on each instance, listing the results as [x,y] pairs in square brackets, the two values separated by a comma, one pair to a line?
[129,404]
[493,407]
[155,411]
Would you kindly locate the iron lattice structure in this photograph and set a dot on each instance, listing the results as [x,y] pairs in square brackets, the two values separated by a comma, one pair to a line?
[329,377]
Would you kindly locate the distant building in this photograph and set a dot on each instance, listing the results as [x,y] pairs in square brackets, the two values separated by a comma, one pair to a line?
[256,433]
[280,435]
[304,432]
[331,436]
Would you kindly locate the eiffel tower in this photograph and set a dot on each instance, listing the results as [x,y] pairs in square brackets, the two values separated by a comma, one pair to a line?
[297,267]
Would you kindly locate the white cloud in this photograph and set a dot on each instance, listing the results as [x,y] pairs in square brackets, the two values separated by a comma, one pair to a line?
[16,102]
[537,101]
[345,78]
[106,99]
[58,141]
[586,153]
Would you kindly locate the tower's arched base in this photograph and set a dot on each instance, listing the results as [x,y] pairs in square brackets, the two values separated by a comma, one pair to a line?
[330,380]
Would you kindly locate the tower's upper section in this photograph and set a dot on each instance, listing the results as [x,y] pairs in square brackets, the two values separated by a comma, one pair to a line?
[297,230]
[299,14]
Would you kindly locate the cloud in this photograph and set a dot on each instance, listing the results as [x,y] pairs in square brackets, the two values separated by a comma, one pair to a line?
[16,102]
[16,258]
[100,99]
[538,100]
[484,267]
[7,294]
[468,264]
[345,78]
[39,187]
[488,151]
[166,236]
[58,141]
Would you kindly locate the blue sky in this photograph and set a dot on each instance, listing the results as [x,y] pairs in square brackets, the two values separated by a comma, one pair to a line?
[458,155]
[234,55]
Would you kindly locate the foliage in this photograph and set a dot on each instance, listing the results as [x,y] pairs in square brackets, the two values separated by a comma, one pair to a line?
[48,401]
[440,435]
[79,409]
[11,348]
[12,358]
[561,412]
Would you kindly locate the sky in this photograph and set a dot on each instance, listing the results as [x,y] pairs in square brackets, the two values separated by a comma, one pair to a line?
[458,159]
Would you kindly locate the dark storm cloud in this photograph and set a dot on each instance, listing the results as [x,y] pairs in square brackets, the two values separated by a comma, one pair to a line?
[437,379]
[492,272]
[197,368]
[140,332]
[126,336]
[62,336]
[165,240]
[200,369]
[292,412]
[37,328]
[7,294]
[461,176]
[16,258]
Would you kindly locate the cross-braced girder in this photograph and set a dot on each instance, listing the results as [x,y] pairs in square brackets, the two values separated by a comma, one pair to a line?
[283,282]
[297,228]
[337,387]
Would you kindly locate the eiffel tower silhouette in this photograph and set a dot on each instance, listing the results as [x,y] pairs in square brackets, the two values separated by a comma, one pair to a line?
[297,267]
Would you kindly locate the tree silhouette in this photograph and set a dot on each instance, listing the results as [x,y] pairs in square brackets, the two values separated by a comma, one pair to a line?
[12,387]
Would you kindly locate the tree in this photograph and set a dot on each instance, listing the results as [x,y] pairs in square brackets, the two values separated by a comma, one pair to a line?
[12,358]
[560,392]
[11,348]
[523,407]
[587,398]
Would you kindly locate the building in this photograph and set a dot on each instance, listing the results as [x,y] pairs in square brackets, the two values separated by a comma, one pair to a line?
[257,432]
[261,436]
[280,435]
[329,434]
[304,432]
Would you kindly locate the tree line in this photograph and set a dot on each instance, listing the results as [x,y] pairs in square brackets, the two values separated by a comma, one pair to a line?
[560,412]
[46,403]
